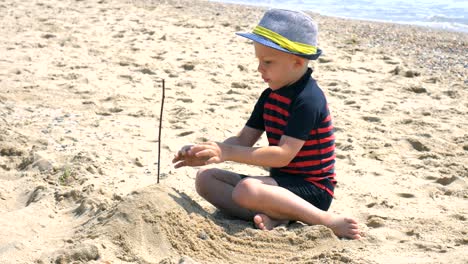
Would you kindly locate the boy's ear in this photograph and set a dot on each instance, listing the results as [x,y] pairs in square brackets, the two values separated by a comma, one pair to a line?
[300,62]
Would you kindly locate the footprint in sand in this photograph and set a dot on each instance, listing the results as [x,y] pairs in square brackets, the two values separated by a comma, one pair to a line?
[80,253]
[232,107]
[405,72]
[417,145]
[48,36]
[69,196]
[242,68]
[189,66]
[180,113]
[90,207]
[186,84]
[426,156]
[413,233]
[452,94]
[447,180]
[372,119]
[185,100]
[384,204]
[239,85]
[202,139]
[338,86]
[231,91]
[461,218]
[324,60]
[35,160]
[367,69]
[115,109]
[36,195]
[186,133]
[146,71]
[417,89]
[89,103]
[390,60]
[10,151]
[406,195]
[375,221]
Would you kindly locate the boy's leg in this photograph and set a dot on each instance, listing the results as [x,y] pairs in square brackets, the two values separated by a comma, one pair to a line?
[216,187]
[261,194]
[275,205]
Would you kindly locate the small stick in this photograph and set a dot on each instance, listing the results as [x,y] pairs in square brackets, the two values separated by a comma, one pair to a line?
[160,127]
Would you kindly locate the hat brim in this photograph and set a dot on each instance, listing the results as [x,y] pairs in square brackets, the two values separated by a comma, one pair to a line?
[271,44]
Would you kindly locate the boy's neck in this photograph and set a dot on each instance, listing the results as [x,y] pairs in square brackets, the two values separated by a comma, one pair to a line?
[298,75]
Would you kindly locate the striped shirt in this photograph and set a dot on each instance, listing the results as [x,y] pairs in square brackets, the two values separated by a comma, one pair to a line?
[300,111]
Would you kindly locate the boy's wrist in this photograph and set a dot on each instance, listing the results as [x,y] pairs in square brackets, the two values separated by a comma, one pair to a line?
[226,150]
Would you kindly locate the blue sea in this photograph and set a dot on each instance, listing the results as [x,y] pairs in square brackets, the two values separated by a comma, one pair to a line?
[447,14]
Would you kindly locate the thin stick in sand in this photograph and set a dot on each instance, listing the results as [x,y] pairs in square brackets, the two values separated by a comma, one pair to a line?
[160,125]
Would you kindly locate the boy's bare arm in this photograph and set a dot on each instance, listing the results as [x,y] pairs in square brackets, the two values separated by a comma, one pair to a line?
[247,137]
[271,156]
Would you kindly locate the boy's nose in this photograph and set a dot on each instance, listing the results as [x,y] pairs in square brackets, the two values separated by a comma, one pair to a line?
[259,68]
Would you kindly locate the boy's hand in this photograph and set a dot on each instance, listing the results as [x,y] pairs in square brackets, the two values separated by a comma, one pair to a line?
[185,157]
[211,152]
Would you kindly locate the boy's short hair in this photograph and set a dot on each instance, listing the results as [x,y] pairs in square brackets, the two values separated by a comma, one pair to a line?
[289,31]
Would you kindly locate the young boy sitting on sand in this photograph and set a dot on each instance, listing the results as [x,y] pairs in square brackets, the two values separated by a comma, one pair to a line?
[294,113]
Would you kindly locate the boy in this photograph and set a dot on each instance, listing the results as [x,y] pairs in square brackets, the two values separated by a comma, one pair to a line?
[294,113]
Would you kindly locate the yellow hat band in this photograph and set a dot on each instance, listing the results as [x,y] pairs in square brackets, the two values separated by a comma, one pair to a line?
[284,42]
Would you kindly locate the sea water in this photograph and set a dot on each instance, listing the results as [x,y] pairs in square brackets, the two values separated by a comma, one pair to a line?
[443,14]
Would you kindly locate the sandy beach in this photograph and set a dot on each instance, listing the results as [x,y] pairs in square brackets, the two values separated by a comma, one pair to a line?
[80,98]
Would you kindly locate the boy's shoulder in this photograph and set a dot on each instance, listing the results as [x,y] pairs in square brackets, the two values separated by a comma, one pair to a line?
[266,92]
[311,90]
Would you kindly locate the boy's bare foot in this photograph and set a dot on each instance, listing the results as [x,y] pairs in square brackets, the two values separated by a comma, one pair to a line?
[344,227]
[264,222]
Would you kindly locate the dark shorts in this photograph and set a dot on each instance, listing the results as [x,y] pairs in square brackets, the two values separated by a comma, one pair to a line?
[304,189]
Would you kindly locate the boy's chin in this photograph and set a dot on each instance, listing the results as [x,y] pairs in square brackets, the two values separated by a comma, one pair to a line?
[274,87]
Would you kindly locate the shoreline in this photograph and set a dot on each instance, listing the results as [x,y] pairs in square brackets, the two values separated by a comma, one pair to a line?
[79,116]
[386,34]
[463,28]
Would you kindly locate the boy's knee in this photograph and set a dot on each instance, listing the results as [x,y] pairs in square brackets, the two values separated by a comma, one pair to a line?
[201,180]
[245,191]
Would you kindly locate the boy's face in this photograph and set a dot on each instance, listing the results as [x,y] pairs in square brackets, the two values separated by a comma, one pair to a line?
[278,68]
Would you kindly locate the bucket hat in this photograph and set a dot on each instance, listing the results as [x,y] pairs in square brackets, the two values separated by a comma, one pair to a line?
[289,31]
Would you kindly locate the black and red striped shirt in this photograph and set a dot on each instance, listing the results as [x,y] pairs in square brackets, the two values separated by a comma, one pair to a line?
[300,111]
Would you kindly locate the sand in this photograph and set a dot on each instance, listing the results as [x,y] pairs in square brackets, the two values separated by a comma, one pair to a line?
[79,115]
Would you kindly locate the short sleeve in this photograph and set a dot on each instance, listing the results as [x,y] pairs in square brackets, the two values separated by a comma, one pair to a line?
[306,114]
[256,118]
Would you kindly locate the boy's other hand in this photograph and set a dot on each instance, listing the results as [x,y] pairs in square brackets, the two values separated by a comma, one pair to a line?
[211,152]
[185,157]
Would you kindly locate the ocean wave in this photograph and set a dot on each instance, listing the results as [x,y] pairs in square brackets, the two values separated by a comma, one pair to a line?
[444,18]
[449,26]
[447,15]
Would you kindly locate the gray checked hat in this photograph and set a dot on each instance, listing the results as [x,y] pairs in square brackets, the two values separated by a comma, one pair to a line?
[289,31]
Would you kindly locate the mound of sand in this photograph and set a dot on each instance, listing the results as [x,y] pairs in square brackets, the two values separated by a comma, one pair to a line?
[158,224]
